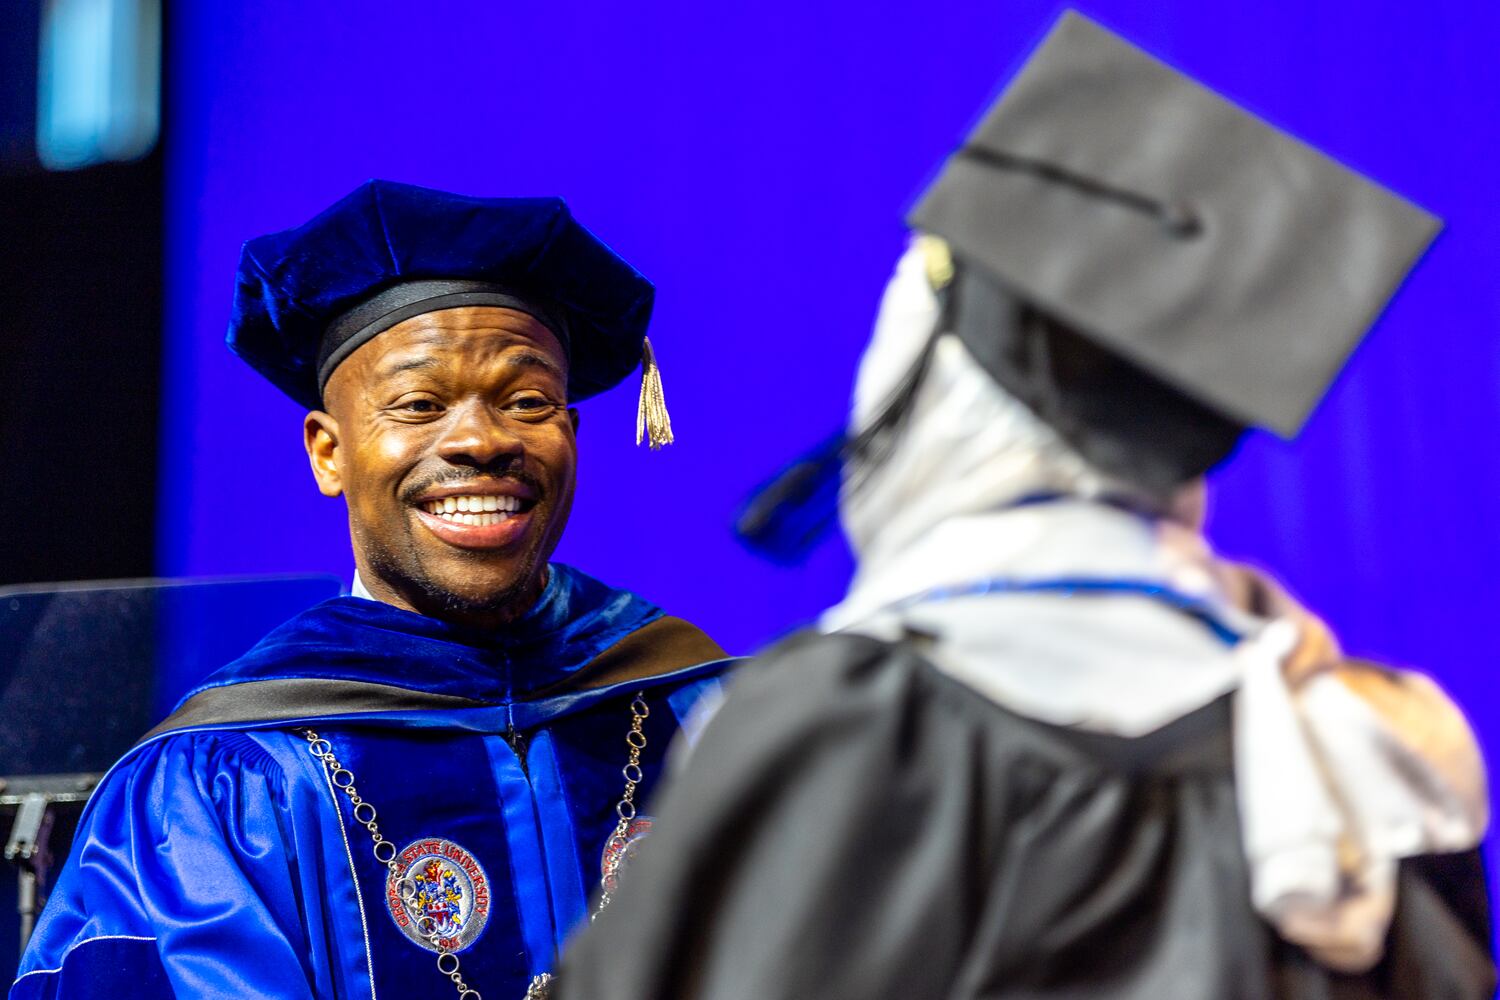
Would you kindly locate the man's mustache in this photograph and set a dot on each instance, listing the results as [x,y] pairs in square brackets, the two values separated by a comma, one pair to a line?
[473,477]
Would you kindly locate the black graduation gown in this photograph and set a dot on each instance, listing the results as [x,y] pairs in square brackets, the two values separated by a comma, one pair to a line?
[855,825]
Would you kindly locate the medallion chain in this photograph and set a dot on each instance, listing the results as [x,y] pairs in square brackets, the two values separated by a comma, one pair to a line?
[385,854]
[614,848]
[385,851]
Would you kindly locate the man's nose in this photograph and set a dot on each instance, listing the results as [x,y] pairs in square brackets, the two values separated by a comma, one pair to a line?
[478,434]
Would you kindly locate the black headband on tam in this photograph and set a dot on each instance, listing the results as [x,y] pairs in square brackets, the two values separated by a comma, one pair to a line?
[396,304]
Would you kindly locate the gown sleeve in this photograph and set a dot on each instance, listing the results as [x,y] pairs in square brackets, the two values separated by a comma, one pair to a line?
[803,785]
[181,883]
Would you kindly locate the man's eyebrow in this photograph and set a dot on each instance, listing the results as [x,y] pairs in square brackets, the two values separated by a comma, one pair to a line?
[418,363]
[531,359]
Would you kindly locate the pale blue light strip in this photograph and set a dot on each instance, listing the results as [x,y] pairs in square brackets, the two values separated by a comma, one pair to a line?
[99,81]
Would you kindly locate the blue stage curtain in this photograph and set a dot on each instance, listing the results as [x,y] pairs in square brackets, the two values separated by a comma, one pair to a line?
[755,161]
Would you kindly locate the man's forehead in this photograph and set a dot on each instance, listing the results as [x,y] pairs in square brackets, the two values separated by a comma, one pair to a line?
[476,331]
[455,322]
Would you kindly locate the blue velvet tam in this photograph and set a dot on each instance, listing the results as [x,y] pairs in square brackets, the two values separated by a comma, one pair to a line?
[306,298]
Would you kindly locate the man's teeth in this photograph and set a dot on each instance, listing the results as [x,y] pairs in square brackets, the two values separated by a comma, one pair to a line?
[475,510]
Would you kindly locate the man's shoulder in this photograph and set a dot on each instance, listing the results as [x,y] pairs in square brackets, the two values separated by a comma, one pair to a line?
[182,772]
[664,648]
[205,751]
[632,637]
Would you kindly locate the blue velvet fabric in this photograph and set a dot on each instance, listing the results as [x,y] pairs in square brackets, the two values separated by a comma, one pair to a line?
[219,861]
[292,284]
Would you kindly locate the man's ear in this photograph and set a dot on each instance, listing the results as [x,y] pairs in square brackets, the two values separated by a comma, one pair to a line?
[573,417]
[320,435]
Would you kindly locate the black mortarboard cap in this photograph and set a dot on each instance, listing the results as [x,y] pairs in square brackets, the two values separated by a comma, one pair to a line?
[1148,267]
[305,298]
[1141,213]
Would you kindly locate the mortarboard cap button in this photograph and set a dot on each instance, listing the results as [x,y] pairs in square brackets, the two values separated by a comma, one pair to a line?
[1181,221]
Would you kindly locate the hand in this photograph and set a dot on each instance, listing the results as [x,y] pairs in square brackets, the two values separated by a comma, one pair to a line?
[1256,592]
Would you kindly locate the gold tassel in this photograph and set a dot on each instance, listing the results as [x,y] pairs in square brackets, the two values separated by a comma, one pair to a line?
[651,420]
[939,260]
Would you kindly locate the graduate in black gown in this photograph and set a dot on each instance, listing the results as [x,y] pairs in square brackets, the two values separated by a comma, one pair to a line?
[1050,745]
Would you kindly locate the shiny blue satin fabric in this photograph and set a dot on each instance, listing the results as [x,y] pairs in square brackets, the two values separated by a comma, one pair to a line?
[219,860]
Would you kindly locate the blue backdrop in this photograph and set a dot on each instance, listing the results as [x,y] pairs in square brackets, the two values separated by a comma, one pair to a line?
[755,160]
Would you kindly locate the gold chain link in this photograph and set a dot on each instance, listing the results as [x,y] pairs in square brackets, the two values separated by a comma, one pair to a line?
[614,848]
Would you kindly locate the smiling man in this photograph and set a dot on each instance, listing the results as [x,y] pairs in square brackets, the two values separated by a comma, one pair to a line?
[452,437]
[417,788]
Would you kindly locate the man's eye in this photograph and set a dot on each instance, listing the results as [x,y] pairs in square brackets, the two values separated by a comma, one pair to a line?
[531,404]
[418,406]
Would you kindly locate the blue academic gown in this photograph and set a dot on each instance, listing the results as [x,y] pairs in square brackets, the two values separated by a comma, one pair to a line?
[216,858]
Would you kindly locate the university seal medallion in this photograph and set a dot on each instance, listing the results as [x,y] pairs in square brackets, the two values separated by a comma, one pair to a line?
[438,881]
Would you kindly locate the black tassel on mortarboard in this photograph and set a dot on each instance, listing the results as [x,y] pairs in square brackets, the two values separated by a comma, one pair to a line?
[786,516]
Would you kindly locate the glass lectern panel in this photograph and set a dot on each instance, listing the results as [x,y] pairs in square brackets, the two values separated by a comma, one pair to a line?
[86,669]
